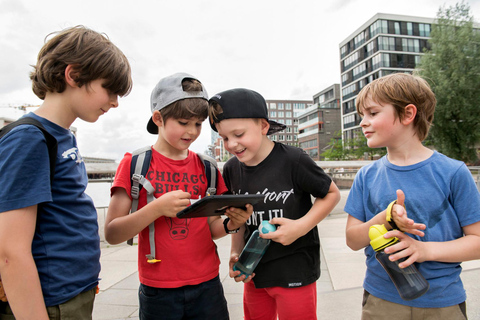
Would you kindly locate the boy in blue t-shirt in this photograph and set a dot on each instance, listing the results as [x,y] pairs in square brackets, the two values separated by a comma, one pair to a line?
[50,247]
[438,193]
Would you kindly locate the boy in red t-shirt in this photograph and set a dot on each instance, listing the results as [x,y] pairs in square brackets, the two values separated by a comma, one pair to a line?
[182,281]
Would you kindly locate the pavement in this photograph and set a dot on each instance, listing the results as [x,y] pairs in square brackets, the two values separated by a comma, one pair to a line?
[339,288]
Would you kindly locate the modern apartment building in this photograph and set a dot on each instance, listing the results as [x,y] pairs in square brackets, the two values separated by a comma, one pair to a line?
[385,44]
[286,112]
[318,124]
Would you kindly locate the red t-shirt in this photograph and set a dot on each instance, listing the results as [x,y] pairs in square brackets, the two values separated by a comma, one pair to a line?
[185,247]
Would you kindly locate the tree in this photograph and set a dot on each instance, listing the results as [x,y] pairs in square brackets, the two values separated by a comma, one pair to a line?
[452,68]
[355,148]
[335,149]
[358,148]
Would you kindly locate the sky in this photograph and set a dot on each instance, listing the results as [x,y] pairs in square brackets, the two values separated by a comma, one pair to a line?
[281,49]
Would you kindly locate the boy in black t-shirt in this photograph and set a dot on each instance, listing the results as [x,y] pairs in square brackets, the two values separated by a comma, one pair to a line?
[284,280]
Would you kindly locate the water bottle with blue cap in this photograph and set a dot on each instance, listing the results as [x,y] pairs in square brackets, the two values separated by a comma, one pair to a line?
[254,250]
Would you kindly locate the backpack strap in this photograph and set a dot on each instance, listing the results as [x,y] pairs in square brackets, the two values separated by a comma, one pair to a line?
[50,139]
[211,168]
[139,167]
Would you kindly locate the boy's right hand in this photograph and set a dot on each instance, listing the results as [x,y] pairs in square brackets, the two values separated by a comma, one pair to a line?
[399,216]
[170,203]
[236,275]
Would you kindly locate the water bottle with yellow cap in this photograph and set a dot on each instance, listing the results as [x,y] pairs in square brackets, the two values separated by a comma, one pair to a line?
[409,282]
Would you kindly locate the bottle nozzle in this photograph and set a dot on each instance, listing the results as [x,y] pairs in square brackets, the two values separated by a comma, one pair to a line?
[377,241]
[266,227]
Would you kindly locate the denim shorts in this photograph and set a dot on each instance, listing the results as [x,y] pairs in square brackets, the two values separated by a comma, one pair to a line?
[203,301]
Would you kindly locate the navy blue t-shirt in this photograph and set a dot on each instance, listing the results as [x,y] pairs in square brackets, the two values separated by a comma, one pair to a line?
[66,244]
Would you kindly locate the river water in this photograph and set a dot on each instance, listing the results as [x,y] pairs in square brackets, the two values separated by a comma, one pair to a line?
[100,193]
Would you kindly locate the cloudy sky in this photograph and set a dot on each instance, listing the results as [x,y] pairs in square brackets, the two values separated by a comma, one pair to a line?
[282,49]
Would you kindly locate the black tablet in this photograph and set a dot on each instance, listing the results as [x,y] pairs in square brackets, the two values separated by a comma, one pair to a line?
[217,205]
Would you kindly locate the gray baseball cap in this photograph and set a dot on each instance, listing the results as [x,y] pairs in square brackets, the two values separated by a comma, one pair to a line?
[169,90]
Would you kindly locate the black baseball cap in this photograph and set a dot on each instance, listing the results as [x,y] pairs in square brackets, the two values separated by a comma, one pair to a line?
[243,103]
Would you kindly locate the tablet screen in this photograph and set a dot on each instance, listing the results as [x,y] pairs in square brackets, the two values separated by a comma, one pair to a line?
[218,204]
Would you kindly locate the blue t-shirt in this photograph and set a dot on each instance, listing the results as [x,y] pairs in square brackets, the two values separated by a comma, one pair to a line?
[439,192]
[66,244]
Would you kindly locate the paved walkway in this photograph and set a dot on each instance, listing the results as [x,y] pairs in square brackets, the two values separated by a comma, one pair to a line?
[339,287]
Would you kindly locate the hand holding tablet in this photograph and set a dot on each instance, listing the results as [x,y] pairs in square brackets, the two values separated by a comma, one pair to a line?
[218,204]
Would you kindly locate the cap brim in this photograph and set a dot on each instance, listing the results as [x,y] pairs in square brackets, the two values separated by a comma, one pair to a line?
[152,127]
[275,127]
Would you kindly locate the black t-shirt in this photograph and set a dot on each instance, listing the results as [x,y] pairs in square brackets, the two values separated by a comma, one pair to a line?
[288,178]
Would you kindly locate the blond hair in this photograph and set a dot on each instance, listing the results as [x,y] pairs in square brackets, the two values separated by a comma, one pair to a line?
[400,90]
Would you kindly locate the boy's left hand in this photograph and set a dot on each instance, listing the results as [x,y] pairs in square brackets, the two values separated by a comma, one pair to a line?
[401,219]
[409,248]
[287,231]
[237,216]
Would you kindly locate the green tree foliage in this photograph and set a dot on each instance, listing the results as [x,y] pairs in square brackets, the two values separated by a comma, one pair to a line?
[335,149]
[352,149]
[358,149]
[452,68]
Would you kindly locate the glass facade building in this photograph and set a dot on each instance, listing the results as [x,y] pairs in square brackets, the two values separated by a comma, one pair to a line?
[385,44]
[286,112]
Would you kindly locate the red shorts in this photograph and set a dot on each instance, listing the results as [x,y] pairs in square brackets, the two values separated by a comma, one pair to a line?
[287,303]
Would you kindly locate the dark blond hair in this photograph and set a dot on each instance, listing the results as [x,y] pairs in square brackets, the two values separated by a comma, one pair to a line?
[214,109]
[400,90]
[187,108]
[92,55]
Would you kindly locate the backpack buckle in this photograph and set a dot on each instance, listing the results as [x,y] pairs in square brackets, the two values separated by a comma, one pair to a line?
[135,192]
[211,191]
[137,178]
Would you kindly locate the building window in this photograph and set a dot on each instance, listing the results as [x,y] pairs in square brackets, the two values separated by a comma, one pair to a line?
[288,114]
[397,28]
[410,28]
[386,43]
[309,144]
[424,30]
[273,105]
[343,51]
[359,71]
[351,60]
[379,26]
[359,40]
[349,91]
[280,106]
[281,114]
[273,114]
[380,60]
[370,48]
[288,122]
[411,45]
[288,106]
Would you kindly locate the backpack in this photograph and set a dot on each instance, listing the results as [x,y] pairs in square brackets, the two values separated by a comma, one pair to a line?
[52,154]
[50,139]
[138,169]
